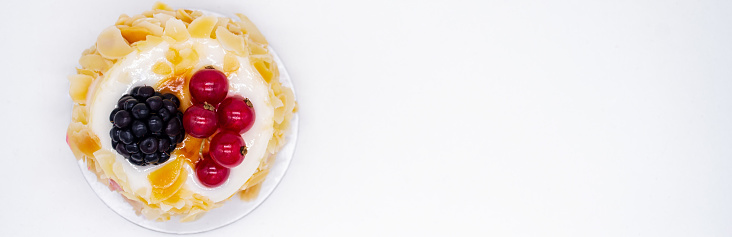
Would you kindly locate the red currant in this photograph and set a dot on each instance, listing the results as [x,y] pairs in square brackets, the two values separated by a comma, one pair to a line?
[199,121]
[228,149]
[208,85]
[211,174]
[236,114]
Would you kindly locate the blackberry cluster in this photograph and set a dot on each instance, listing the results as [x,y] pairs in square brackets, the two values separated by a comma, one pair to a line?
[147,126]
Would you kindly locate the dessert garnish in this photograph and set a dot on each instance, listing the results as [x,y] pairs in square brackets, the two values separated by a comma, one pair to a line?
[147,126]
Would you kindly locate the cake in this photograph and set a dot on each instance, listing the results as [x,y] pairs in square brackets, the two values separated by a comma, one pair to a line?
[179,111]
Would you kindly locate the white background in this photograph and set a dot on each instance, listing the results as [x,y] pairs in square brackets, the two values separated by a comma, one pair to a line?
[428,118]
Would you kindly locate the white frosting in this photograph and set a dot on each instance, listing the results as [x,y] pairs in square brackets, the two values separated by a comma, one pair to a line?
[136,70]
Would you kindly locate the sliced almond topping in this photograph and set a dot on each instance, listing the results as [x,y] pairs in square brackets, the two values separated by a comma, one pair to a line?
[251,29]
[256,48]
[231,63]
[202,27]
[222,22]
[122,19]
[149,42]
[162,68]
[87,72]
[175,29]
[111,44]
[172,56]
[161,6]
[263,66]
[135,33]
[95,62]
[163,17]
[190,58]
[148,13]
[154,28]
[196,14]
[184,15]
[234,28]
[133,19]
[231,41]
[80,114]
[79,87]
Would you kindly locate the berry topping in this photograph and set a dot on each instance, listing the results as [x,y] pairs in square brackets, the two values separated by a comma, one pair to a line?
[121,150]
[139,129]
[140,111]
[165,114]
[154,103]
[111,116]
[122,119]
[199,121]
[155,123]
[172,98]
[114,134]
[128,104]
[141,121]
[235,114]
[149,145]
[144,92]
[228,149]
[151,158]
[137,159]
[132,148]
[211,174]
[208,86]
[173,127]
[125,136]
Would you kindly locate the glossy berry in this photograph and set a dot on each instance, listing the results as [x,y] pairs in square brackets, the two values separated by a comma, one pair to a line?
[211,174]
[163,158]
[111,116]
[138,128]
[151,158]
[235,114]
[130,103]
[154,103]
[165,114]
[140,111]
[136,158]
[132,148]
[155,124]
[149,145]
[121,102]
[172,98]
[126,137]
[170,106]
[144,92]
[208,85]
[199,122]
[120,148]
[114,134]
[122,119]
[228,149]
[134,91]
[173,127]
[163,145]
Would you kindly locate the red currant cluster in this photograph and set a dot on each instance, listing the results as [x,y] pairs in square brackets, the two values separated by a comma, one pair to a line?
[226,118]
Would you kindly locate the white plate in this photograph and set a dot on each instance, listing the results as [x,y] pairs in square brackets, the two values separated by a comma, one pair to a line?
[232,210]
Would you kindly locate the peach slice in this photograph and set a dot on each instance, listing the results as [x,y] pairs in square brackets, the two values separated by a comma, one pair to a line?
[160,194]
[165,176]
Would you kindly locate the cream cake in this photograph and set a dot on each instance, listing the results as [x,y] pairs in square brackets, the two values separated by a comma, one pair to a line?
[179,111]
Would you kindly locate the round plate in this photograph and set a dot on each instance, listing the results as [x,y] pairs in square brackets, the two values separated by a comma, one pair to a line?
[232,209]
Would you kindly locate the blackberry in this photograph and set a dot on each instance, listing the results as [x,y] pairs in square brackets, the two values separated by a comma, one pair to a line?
[146,126]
